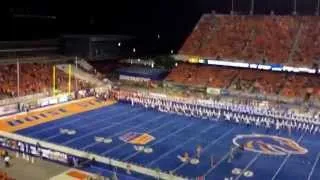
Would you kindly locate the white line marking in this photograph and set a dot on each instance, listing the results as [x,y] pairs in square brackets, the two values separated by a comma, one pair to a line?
[285,160]
[85,125]
[314,166]
[181,145]
[71,121]
[101,129]
[217,164]
[211,144]
[160,140]
[249,164]
[124,143]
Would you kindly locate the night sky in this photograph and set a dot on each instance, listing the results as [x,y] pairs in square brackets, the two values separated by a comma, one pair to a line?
[172,19]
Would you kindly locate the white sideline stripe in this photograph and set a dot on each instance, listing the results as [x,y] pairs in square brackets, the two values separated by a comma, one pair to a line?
[314,166]
[101,129]
[47,107]
[181,145]
[91,123]
[210,144]
[105,170]
[72,121]
[160,140]
[150,131]
[125,130]
[285,160]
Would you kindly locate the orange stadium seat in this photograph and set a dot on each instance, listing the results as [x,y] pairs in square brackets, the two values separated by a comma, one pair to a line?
[265,82]
[255,38]
[34,78]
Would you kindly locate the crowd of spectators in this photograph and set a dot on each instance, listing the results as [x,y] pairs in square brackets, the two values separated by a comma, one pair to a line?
[261,39]
[34,78]
[4,176]
[199,75]
[256,81]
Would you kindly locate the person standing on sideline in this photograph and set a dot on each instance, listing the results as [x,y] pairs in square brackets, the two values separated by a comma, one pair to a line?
[7,160]
[198,151]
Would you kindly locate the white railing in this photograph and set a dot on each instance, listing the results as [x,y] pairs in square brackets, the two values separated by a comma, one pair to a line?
[106,160]
[22,98]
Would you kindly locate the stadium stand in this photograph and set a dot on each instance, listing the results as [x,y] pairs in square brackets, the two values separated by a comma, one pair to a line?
[308,47]
[199,75]
[265,82]
[4,176]
[34,78]
[266,39]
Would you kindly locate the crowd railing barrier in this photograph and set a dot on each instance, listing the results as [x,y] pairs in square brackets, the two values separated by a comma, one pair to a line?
[23,98]
[62,153]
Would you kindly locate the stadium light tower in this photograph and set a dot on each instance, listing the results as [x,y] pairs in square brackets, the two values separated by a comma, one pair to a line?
[317,8]
[76,86]
[18,78]
[232,7]
[252,7]
[294,7]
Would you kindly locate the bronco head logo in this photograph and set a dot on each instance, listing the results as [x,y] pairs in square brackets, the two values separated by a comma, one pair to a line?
[267,144]
[136,138]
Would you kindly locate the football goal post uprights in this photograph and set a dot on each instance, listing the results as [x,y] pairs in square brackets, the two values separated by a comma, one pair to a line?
[69,79]
[54,80]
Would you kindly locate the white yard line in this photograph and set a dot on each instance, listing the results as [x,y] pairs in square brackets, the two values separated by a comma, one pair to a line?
[181,145]
[128,129]
[285,160]
[160,140]
[102,129]
[72,121]
[150,131]
[314,166]
[85,125]
[209,145]
[248,165]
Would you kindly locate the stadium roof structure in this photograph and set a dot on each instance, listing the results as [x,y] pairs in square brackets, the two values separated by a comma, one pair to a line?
[46,50]
[101,37]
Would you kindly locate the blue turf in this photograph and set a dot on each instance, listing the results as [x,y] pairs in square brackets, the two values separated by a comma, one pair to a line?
[175,135]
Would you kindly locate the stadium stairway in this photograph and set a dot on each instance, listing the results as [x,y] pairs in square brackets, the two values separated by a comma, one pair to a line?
[295,45]
[81,74]
[85,65]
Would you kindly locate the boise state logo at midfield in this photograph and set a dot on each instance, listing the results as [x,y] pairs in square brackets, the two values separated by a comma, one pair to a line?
[136,138]
[267,144]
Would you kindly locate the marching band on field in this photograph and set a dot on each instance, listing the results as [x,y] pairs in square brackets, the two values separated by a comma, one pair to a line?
[269,117]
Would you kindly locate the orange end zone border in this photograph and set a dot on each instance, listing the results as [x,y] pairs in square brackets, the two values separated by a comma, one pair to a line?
[78,175]
[17,122]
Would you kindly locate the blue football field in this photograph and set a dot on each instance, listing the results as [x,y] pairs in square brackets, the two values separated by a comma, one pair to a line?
[175,135]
